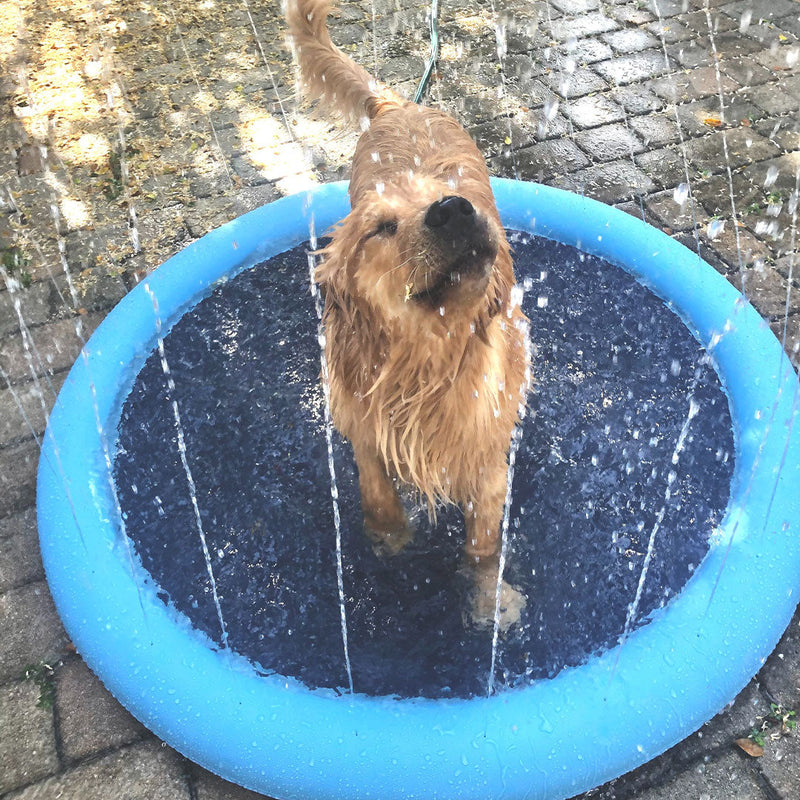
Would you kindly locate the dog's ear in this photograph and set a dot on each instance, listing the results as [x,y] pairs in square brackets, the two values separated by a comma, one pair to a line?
[330,276]
[335,275]
[498,292]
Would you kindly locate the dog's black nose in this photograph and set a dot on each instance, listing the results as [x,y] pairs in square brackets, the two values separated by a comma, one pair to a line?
[452,214]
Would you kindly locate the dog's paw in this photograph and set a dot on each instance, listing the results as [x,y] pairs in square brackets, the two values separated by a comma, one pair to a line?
[387,543]
[483,605]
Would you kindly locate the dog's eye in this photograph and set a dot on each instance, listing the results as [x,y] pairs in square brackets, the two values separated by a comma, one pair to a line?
[386,228]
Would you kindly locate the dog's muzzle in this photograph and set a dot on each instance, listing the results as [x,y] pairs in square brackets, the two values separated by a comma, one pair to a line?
[462,250]
[462,235]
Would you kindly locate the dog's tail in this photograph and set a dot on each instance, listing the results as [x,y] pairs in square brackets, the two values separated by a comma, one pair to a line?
[327,72]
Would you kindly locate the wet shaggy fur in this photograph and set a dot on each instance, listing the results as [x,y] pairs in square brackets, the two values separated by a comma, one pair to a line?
[426,348]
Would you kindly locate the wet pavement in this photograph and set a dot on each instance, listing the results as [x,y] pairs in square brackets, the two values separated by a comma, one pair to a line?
[128,131]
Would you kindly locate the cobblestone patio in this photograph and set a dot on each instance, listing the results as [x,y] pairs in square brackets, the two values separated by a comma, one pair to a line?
[128,130]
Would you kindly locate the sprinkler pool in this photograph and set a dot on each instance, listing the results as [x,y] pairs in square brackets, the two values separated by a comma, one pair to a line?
[286,730]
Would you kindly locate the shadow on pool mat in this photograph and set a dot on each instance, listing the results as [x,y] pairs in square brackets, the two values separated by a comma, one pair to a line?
[614,371]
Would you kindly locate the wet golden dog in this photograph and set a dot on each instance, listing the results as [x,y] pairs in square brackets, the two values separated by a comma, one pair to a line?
[425,346]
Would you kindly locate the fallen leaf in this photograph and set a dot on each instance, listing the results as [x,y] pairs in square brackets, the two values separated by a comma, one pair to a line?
[750,747]
[713,122]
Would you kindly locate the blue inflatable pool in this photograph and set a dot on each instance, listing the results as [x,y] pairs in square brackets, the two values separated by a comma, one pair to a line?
[551,739]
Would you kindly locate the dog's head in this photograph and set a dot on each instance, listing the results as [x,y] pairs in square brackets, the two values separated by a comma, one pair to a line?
[422,252]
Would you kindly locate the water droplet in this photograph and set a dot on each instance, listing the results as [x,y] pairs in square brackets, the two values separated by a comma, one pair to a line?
[772,176]
[681,194]
[715,228]
[744,21]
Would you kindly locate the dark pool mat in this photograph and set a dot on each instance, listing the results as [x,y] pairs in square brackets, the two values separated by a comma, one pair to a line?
[615,372]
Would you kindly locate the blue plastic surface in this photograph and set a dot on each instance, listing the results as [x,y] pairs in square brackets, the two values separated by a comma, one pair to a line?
[548,741]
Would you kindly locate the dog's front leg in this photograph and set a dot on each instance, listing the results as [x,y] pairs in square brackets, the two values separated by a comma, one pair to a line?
[385,520]
[483,517]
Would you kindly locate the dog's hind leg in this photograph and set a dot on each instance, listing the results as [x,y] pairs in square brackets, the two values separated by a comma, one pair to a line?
[385,520]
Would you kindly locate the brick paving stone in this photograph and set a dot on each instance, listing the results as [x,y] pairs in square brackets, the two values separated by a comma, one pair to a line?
[781,673]
[791,27]
[746,72]
[141,772]
[665,167]
[633,68]
[631,15]
[673,216]
[551,127]
[20,560]
[609,142]
[56,346]
[692,84]
[733,45]
[691,54]
[18,465]
[210,787]
[493,137]
[90,718]
[521,68]
[780,765]
[32,631]
[744,146]
[670,31]
[593,111]
[730,777]
[666,8]
[542,161]
[776,175]
[630,40]
[700,116]
[766,290]
[572,7]
[576,84]
[532,92]
[745,250]
[27,737]
[402,68]
[86,249]
[737,719]
[249,198]
[792,349]
[714,194]
[777,99]
[761,9]
[609,183]
[656,130]
[698,22]
[585,25]
[789,266]
[637,99]
[36,305]
[523,36]
[587,51]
